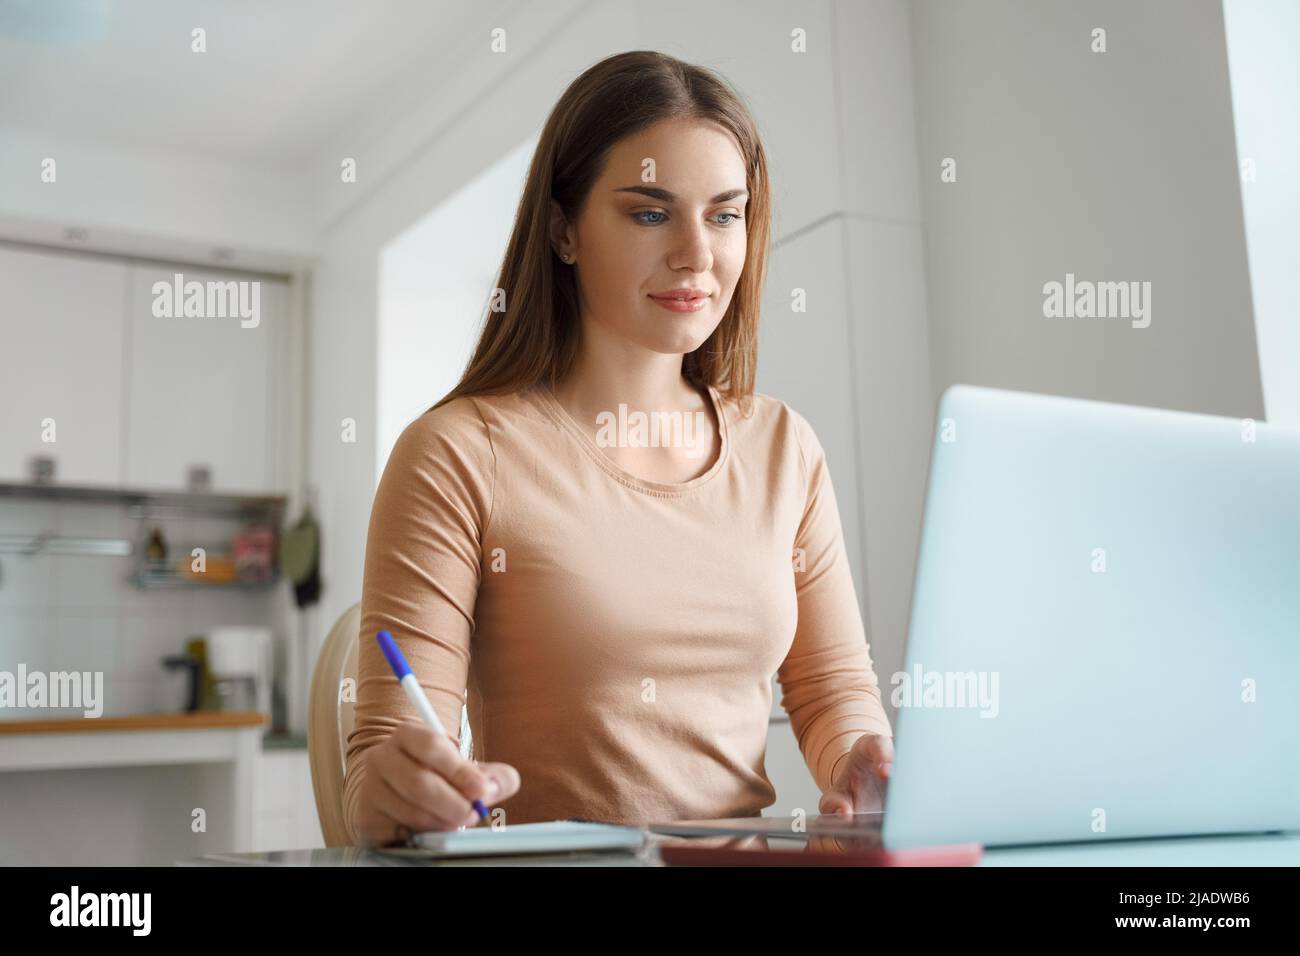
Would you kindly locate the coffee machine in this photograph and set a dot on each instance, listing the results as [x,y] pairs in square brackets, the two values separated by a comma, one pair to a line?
[239,660]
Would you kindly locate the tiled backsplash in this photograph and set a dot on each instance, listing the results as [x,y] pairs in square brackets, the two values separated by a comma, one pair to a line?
[85,613]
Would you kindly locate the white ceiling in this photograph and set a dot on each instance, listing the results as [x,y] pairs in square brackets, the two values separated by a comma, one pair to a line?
[279,78]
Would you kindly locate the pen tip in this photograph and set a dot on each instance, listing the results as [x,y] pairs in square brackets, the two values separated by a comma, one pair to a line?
[481,808]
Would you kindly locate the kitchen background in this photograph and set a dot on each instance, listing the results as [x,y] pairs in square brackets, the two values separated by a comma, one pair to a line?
[126,157]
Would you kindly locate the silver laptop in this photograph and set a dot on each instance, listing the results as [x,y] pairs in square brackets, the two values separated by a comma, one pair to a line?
[1105,631]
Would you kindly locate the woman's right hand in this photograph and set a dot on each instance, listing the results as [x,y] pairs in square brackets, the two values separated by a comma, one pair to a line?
[416,780]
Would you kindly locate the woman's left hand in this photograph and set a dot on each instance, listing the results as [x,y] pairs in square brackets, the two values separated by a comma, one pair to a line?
[857,787]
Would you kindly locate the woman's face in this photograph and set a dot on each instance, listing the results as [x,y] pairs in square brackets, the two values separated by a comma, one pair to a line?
[637,238]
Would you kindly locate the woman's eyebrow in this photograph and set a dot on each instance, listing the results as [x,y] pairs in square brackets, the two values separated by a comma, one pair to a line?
[654,192]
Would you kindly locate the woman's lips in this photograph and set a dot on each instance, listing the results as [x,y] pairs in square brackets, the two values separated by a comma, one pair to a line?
[680,305]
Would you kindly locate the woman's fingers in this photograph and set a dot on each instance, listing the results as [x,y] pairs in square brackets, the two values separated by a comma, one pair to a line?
[426,791]
[418,781]
[833,801]
[418,818]
[875,749]
[433,751]
[504,776]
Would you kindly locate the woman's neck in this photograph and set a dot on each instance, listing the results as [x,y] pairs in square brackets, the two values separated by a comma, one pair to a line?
[644,382]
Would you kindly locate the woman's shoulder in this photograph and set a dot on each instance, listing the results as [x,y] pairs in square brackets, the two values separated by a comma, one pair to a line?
[454,427]
[771,419]
[458,420]
[441,464]
[466,422]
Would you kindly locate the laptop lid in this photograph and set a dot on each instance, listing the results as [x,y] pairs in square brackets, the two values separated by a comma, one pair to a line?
[1105,627]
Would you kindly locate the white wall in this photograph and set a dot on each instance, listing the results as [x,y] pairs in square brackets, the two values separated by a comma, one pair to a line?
[1264,59]
[889,319]
[147,201]
[1112,166]
[433,278]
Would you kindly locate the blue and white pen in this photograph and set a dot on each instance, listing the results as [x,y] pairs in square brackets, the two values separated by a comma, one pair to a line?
[416,694]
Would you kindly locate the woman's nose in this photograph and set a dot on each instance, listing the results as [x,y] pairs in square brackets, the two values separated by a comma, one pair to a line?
[691,250]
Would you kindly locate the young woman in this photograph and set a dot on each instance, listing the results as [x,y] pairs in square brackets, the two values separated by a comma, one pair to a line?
[614,598]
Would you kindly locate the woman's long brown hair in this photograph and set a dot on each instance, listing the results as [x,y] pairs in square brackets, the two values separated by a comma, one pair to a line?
[535,339]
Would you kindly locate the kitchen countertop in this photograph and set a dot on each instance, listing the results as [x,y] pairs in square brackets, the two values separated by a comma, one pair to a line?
[228,745]
[198,720]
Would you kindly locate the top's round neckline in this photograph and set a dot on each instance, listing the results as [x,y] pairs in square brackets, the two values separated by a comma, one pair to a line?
[570,424]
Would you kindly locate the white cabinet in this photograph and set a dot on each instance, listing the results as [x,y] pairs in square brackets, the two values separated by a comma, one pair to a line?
[202,388]
[62,350]
[136,395]
[286,805]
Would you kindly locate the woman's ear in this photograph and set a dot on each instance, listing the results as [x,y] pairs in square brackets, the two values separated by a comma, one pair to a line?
[561,233]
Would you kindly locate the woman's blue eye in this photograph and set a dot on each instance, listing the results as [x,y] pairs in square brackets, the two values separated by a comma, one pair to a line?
[735,217]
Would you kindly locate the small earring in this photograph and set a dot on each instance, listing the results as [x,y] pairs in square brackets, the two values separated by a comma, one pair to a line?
[566,257]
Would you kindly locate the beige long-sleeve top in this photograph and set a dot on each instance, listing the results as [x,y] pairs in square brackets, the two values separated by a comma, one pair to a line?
[616,638]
